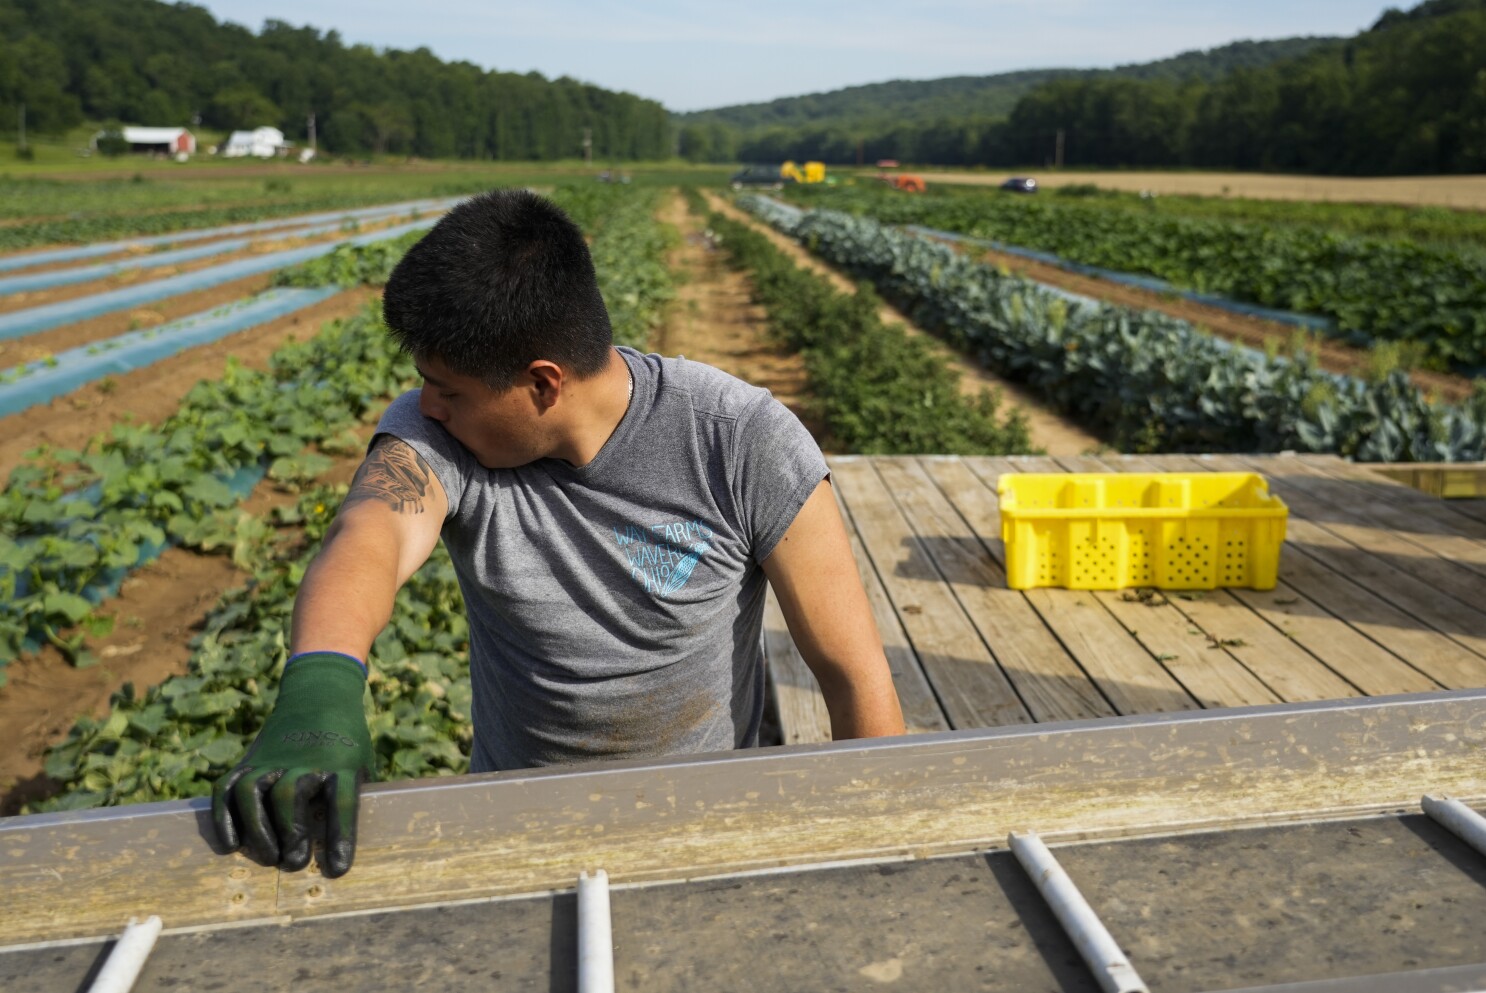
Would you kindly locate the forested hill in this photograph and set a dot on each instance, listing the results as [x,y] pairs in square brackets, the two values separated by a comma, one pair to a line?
[153,63]
[1407,96]
[987,96]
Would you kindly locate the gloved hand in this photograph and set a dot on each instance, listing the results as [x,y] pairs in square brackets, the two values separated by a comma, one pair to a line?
[314,742]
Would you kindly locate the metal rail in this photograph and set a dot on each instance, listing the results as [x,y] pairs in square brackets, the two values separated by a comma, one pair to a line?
[469,838]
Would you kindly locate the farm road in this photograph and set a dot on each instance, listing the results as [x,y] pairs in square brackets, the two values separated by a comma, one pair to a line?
[714,319]
[1461,192]
[1048,430]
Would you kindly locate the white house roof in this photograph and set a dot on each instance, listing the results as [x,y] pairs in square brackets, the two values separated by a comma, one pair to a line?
[152,136]
[271,135]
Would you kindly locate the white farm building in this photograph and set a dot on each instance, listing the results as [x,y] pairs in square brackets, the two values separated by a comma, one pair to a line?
[159,141]
[265,143]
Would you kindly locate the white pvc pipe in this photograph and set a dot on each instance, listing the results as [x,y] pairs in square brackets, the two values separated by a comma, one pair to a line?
[595,935]
[1098,949]
[128,957]
[1456,817]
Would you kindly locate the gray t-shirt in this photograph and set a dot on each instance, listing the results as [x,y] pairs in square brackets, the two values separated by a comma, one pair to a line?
[615,608]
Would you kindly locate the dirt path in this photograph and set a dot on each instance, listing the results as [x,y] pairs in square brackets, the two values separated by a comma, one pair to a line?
[1252,331]
[1463,192]
[1048,430]
[714,319]
[152,393]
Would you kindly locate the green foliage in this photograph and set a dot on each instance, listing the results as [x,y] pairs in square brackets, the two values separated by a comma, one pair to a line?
[173,740]
[878,390]
[1148,382]
[965,97]
[629,249]
[73,522]
[1374,289]
[108,209]
[1405,97]
[351,265]
[155,63]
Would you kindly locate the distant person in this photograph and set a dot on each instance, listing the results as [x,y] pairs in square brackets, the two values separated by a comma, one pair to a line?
[612,518]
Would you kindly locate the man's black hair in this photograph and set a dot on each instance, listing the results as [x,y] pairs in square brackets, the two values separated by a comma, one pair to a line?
[502,280]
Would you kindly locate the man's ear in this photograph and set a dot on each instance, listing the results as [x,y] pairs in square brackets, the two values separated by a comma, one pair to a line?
[547,381]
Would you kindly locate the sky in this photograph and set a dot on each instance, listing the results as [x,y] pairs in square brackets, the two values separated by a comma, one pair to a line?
[695,55]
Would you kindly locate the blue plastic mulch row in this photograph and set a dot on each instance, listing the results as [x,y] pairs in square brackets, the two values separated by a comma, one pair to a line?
[1315,323]
[106,584]
[24,322]
[29,282]
[79,252]
[38,382]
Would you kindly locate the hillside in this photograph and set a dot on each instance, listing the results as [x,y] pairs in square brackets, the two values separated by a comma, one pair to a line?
[985,96]
[1404,97]
[147,62]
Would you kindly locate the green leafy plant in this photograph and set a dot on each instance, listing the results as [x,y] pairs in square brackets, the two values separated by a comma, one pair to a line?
[1374,288]
[1149,382]
[878,390]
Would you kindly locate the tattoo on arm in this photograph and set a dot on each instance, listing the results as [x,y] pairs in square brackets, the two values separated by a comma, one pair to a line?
[393,474]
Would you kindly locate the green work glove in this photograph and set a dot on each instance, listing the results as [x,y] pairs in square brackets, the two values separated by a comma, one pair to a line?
[315,743]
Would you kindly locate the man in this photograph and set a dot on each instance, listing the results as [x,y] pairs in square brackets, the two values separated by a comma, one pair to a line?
[612,518]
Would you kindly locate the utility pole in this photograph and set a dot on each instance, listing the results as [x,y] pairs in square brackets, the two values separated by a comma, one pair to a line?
[1058,154]
[588,146]
[22,145]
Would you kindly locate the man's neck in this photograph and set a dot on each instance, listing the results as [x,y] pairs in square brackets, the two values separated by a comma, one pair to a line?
[598,404]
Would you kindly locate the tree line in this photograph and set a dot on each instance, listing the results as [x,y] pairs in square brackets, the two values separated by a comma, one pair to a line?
[1407,96]
[147,62]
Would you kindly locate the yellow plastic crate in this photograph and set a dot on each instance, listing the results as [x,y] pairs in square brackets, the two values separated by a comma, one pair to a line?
[1171,530]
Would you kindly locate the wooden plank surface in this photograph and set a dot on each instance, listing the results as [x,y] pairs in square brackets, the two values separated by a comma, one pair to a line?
[1411,643]
[1046,677]
[1203,666]
[1303,620]
[1225,640]
[1423,519]
[972,688]
[921,710]
[1297,609]
[1365,541]
[1376,597]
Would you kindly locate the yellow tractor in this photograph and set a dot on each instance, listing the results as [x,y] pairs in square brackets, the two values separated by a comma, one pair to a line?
[813,172]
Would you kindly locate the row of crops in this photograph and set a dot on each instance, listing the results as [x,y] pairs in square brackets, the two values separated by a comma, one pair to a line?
[1444,226]
[72,522]
[1147,382]
[49,212]
[877,390]
[1431,296]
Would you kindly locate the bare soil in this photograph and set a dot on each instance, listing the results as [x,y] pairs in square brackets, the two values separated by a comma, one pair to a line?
[714,319]
[1252,331]
[1048,430]
[151,394]
[54,340]
[1461,192]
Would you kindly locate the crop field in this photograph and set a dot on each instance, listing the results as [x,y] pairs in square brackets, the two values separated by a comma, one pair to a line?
[1457,192]
[186,407]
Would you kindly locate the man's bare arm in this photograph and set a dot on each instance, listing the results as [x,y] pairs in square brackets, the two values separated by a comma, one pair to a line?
[385,529]
[815,578]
